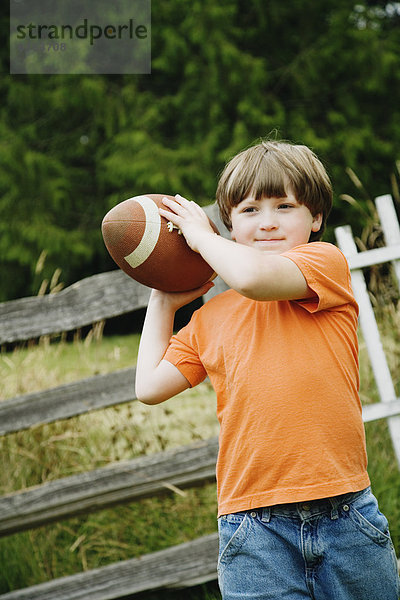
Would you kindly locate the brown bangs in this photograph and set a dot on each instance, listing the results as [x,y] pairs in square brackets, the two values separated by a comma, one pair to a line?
[259,181]
[250,173]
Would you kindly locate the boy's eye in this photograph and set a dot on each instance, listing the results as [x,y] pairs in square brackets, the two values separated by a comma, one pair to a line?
[285,206]
[249,209]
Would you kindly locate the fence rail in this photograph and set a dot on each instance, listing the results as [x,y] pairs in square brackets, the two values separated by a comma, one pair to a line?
[104,296]
[68,400]
[176,567]
[124,481]
[95,298]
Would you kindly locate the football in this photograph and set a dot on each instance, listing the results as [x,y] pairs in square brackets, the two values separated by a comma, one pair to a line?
[151,249]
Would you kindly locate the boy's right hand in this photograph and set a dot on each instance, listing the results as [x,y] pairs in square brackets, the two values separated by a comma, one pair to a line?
[175,300]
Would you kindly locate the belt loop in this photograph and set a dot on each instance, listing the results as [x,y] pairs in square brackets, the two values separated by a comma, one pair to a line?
[266,514]
[334,511]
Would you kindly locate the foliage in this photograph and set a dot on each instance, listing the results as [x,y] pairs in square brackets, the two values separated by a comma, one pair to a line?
[223,75]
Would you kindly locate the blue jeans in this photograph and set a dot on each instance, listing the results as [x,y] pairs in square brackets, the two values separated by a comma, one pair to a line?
[332,549]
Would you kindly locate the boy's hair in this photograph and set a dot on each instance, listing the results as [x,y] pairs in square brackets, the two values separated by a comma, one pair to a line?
[271,169]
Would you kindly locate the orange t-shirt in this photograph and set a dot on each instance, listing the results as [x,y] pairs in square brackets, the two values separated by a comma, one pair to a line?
[286,378]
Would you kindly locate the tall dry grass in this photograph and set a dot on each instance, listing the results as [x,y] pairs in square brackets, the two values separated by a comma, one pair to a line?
[68,447]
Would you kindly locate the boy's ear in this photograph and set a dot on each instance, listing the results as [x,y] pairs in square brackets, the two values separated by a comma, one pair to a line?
[317,222]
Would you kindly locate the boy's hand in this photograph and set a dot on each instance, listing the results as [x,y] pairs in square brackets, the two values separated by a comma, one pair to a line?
[175,300]
[189,217]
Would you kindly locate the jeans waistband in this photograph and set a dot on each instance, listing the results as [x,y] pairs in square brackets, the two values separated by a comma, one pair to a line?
[312,508]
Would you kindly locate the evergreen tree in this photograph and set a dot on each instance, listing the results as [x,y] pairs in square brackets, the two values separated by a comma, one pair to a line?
[223,75]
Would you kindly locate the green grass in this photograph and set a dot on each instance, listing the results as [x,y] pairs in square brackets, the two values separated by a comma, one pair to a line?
[123,432]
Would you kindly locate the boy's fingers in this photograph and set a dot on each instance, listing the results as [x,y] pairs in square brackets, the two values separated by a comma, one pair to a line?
[171,216]
[181,199]
[179,208]
[170,202]
[202,290]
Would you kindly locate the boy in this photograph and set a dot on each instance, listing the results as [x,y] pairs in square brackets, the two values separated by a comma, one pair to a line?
[296,515]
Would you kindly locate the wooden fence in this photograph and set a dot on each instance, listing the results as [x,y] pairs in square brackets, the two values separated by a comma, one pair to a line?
[100,297]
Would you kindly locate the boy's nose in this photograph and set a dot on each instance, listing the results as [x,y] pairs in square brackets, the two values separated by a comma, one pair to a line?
[268,223]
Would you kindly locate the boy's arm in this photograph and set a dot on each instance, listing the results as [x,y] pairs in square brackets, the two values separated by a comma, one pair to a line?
[250,272]
[157,379]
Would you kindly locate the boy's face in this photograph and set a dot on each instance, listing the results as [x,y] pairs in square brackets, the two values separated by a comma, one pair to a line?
[273,225]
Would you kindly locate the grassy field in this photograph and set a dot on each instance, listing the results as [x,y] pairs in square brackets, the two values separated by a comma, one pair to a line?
[65,448]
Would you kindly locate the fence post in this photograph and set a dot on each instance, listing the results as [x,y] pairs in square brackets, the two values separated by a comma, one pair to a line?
[390,226]
[371,334]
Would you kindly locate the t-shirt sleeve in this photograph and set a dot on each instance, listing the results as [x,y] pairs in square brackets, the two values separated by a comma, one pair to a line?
[327,273]
[182,353]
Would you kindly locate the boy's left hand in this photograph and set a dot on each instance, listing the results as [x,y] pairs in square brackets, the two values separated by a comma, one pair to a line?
[189,217]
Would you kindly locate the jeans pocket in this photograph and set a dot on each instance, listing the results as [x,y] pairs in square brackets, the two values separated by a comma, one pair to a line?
[233,530]
[365,514]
